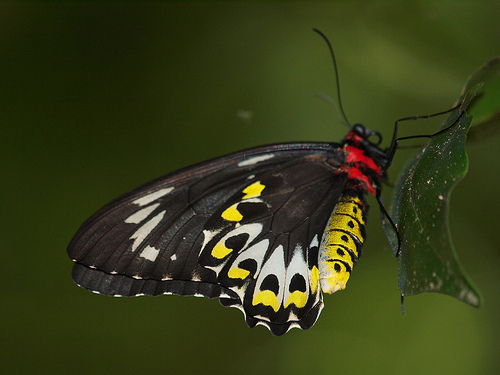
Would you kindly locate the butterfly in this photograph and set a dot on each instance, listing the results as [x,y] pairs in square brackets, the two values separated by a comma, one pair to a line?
[267,230]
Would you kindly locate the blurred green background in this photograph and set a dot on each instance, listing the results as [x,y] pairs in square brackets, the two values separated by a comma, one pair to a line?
[97,98]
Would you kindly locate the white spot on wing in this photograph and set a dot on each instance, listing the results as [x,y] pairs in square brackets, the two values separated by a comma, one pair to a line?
[255,160]
[224,295]
[297,266]
[275,265]
[239,307]
[208,235]
[264,320]
[153,196]
[142,214]
[173,257]
[252,200]
[314,242]
[150,253]
[253,231]
[255,252]
[141,233]
[292,317]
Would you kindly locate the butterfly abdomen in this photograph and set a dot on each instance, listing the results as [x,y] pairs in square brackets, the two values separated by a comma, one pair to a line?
[341,244]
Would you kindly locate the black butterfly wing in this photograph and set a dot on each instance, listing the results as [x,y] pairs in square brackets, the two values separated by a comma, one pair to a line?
[244,228]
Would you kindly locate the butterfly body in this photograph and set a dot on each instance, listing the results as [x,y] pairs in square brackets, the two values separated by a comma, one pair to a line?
[265,230]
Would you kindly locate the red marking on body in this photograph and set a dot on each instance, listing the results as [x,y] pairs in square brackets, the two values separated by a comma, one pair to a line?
[356,174]
[357,156]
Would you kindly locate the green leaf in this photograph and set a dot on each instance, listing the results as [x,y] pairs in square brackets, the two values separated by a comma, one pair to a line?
[486,108]
[428,261]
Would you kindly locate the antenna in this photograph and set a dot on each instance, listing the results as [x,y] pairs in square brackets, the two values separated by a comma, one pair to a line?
[337,106]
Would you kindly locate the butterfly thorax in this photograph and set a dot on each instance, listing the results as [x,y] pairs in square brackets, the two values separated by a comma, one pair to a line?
[364,160]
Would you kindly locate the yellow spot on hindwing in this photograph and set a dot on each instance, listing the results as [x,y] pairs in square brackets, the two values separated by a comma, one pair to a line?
[253,190]
[238,273]
[342,239]
[298,298]
[232,213]
[267,298]
[314,279]
[220,251]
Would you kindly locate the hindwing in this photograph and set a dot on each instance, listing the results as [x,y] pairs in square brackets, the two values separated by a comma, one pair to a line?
[244,228]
